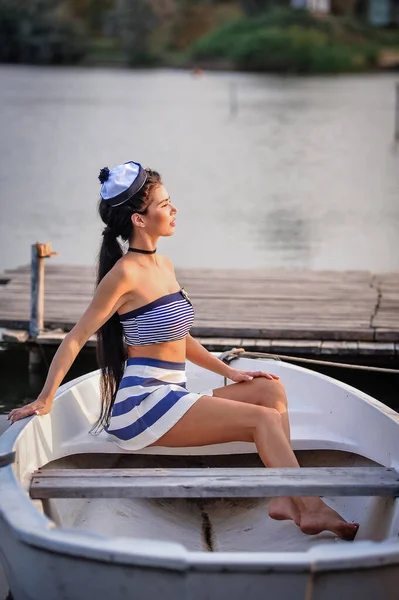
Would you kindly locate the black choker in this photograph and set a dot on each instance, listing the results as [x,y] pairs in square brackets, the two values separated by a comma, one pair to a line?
[142,251]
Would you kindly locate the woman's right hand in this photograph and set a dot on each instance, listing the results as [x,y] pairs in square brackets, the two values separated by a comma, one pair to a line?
[41,406]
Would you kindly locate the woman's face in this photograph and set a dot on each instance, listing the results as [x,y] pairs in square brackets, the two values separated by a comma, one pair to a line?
[160,217]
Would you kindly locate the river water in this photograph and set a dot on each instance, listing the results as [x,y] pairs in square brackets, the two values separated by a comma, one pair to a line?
[266,171]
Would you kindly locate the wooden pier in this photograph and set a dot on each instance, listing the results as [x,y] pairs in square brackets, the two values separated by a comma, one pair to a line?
[300,312]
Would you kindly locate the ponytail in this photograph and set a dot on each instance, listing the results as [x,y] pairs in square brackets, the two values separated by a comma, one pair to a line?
[111,351]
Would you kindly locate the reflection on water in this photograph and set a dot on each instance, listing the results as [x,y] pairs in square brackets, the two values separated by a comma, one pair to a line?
[287,230]
[274,172]
[19,386]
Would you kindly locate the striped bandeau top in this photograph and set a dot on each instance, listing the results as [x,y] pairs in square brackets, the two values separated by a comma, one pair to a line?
[167,319]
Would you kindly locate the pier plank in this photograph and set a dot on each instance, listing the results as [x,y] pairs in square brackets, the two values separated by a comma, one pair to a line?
[349,306]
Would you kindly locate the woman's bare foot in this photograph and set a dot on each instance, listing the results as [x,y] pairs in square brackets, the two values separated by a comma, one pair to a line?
[318,517]
[283,509]
[313,516]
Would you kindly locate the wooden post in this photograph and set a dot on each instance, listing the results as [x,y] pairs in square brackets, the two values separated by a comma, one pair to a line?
[38,253]
[397,113]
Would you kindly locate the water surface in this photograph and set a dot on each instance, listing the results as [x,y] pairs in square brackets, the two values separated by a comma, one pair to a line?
[266,171]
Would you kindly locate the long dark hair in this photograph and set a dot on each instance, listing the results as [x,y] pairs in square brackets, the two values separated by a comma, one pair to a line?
[111,349]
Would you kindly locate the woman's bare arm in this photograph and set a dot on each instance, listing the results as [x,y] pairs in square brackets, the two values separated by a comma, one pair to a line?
[107,298]
[197,354]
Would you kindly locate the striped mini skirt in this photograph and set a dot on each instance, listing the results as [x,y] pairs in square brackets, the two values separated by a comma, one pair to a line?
[151,398]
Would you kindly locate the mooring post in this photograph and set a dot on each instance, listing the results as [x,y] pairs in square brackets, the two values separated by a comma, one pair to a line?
[36,292]
[36,324]
[397,112]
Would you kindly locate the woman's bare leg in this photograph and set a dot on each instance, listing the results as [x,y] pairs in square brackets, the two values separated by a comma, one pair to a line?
[269,393]
[213,420]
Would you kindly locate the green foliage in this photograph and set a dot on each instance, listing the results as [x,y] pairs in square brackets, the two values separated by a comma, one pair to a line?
[135,23]
[252,7]
[285,40]
[362,29]
[298,50]
[105,50]
[92,12]
[31,31]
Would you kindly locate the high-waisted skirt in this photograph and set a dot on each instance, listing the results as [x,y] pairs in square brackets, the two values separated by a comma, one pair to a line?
[151,398]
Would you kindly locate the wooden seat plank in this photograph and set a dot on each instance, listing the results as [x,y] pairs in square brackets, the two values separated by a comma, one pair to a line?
[214,482]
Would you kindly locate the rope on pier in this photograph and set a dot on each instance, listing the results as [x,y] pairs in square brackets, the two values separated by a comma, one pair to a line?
[230,355]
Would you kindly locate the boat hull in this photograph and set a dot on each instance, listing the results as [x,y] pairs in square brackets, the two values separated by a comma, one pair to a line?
[166,550]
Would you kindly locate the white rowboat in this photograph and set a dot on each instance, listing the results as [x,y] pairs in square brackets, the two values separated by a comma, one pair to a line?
[114,524]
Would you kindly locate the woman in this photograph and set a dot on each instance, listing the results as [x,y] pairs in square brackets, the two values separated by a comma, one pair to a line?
[143,391]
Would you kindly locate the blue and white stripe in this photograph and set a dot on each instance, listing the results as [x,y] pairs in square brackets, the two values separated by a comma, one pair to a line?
[151,398]
[166,319]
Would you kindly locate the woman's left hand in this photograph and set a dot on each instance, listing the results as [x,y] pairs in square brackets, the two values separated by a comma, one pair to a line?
[238,376]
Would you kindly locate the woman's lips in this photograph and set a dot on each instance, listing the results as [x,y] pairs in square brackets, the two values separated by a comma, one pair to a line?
[173,223]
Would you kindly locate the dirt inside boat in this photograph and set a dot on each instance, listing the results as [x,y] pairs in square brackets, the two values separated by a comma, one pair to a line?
[212,524]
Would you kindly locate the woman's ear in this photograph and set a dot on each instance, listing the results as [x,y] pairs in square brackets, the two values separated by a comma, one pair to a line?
[137,220]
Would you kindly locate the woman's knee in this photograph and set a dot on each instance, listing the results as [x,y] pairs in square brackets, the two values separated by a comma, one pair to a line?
[271,393]
[268,418]
[263,419]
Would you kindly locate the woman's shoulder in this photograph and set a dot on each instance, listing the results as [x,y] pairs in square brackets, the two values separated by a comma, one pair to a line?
[125,272]
[166,261]
[124,266]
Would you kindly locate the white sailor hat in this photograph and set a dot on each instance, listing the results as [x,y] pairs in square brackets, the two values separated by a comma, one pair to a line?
[122,182]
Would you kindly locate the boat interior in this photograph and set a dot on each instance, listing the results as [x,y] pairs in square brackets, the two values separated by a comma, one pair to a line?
[212,524]
[332,424]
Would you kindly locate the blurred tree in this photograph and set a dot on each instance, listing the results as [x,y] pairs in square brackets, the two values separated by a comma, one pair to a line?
[135,21]
[344,7]
[91,12]
[191,21]
[252,7]
[164,8]
[32,31]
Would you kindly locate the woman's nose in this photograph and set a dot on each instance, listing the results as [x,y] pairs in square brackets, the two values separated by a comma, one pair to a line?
[174,209]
